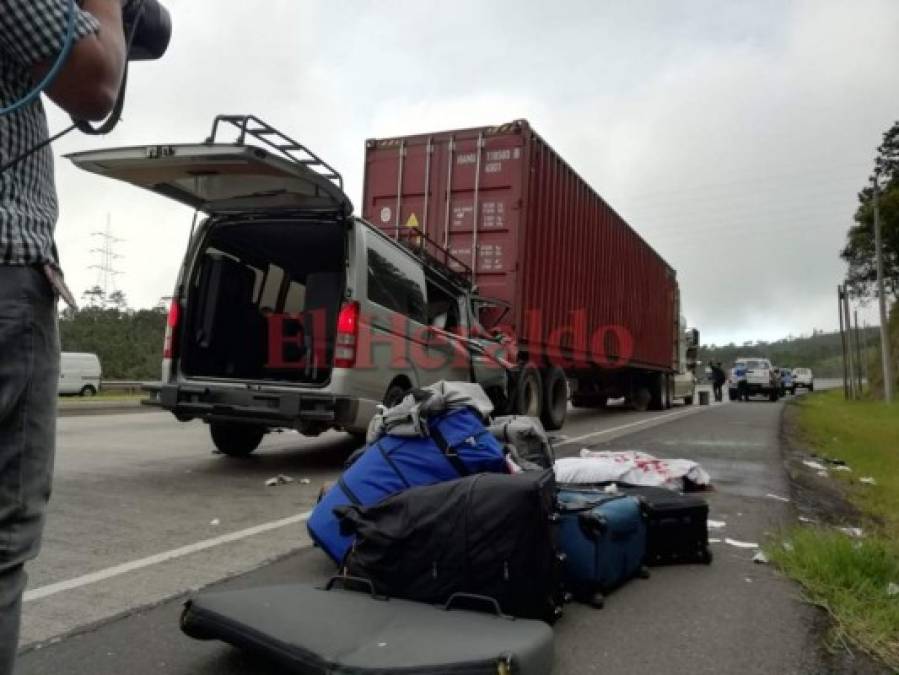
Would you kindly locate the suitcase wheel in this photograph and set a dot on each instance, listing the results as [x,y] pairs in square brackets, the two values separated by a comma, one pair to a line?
[597,600]
[706,557]
[644,572]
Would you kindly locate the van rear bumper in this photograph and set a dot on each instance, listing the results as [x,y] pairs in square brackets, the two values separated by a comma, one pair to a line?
[273,409]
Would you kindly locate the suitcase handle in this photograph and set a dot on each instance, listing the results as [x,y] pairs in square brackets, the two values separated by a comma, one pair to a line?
[475,599]
[346,581]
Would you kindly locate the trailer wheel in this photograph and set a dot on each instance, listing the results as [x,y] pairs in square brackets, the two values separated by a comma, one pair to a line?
[641,398]
[555,398]
[236,440]
[529,392]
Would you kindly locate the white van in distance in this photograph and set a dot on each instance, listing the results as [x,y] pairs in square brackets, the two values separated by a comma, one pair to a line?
[79,373]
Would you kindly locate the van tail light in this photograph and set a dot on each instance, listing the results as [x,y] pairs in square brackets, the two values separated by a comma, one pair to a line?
[169,346]
[347,335]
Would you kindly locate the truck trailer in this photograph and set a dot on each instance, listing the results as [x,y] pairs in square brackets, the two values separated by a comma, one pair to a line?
[592,309]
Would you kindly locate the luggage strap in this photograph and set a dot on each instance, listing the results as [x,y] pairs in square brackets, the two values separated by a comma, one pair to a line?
[392,464]
[449,451]
[341,483]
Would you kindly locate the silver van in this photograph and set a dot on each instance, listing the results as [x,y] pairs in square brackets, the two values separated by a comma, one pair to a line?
[288,311]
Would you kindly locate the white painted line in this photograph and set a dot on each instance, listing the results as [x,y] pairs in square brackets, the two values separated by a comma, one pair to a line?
[650,420]
[124,568]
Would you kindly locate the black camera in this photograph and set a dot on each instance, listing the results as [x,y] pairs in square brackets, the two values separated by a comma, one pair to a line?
[148,27]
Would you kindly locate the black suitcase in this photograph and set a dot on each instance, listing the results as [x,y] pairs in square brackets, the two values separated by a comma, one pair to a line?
[677,528]
[323,631]
[489,534]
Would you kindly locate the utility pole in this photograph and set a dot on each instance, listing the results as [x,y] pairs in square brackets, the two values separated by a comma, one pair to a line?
[858,356]
[881,298]
[843,341]
[851,360]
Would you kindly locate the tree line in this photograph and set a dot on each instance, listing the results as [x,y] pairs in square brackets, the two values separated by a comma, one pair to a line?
[859,249]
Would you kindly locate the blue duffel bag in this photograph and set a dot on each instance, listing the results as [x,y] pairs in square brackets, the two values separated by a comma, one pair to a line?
[459,446]
[603,537]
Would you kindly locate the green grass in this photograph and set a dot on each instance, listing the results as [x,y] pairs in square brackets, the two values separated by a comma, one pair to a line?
[112,396]
[849,577]
[865,434]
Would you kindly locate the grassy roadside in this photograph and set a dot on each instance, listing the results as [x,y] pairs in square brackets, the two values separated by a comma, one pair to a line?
[850,577]
[110,397]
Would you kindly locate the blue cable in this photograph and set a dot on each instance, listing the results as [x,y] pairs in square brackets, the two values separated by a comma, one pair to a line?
[53,72]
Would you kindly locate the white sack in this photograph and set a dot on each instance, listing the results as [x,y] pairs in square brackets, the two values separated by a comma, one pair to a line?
[631,467]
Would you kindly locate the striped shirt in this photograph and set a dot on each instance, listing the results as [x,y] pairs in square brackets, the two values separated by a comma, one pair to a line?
[31,32]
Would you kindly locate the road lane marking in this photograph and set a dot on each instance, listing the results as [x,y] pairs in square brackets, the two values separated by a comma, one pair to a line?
[675,414]
[165,556]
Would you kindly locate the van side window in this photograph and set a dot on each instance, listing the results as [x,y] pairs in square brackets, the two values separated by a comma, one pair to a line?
[443,308]
[395,281]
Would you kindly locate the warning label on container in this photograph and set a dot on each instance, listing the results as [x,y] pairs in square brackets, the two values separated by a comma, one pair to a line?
[412,221]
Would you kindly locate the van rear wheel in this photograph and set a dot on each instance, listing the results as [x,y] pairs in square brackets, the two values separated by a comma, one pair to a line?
[87,390]
[236,440]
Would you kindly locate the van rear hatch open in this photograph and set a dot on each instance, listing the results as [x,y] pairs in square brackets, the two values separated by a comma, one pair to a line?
[264,289]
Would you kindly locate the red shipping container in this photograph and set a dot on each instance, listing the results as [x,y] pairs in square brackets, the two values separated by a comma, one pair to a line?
[582,284]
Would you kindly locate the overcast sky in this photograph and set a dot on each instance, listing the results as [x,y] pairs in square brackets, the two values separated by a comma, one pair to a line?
[733,136]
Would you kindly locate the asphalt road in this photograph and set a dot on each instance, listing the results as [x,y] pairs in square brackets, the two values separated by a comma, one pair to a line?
[143,512]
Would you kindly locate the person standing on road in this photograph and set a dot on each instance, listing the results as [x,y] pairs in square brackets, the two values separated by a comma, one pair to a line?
[718,380]
[32,36]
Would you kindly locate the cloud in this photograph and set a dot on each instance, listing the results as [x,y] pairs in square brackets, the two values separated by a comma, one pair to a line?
[732,137]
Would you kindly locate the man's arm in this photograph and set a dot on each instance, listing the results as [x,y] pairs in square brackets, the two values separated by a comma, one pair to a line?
[89,81]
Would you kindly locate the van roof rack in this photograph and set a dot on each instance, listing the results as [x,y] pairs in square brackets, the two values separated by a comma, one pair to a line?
[277,140]
[435,257]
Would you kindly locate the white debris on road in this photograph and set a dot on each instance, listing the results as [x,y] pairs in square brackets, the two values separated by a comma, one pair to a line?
[867,480]
[760,558]
[716,524]
[841,467]
[823,474]
[740,544]
[305,481]
[806,519]
[855,532]
[812,464]
[215,521]
[892,589]
[777,497]
[278,480]
[714,540]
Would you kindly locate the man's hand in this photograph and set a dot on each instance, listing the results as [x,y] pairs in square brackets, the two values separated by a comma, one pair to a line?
[88,84]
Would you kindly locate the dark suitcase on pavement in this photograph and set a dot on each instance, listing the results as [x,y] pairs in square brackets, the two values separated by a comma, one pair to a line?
[604,540]
[491,534]
[459,445]
[676,526]
[324,631]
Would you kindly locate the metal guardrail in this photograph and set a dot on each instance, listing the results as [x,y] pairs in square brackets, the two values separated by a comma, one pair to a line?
[127,386]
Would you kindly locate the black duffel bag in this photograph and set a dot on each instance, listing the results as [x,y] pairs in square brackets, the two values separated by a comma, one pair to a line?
[488,534]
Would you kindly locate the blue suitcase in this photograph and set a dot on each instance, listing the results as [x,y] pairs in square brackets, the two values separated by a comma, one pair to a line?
[459,446]
[603,537]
